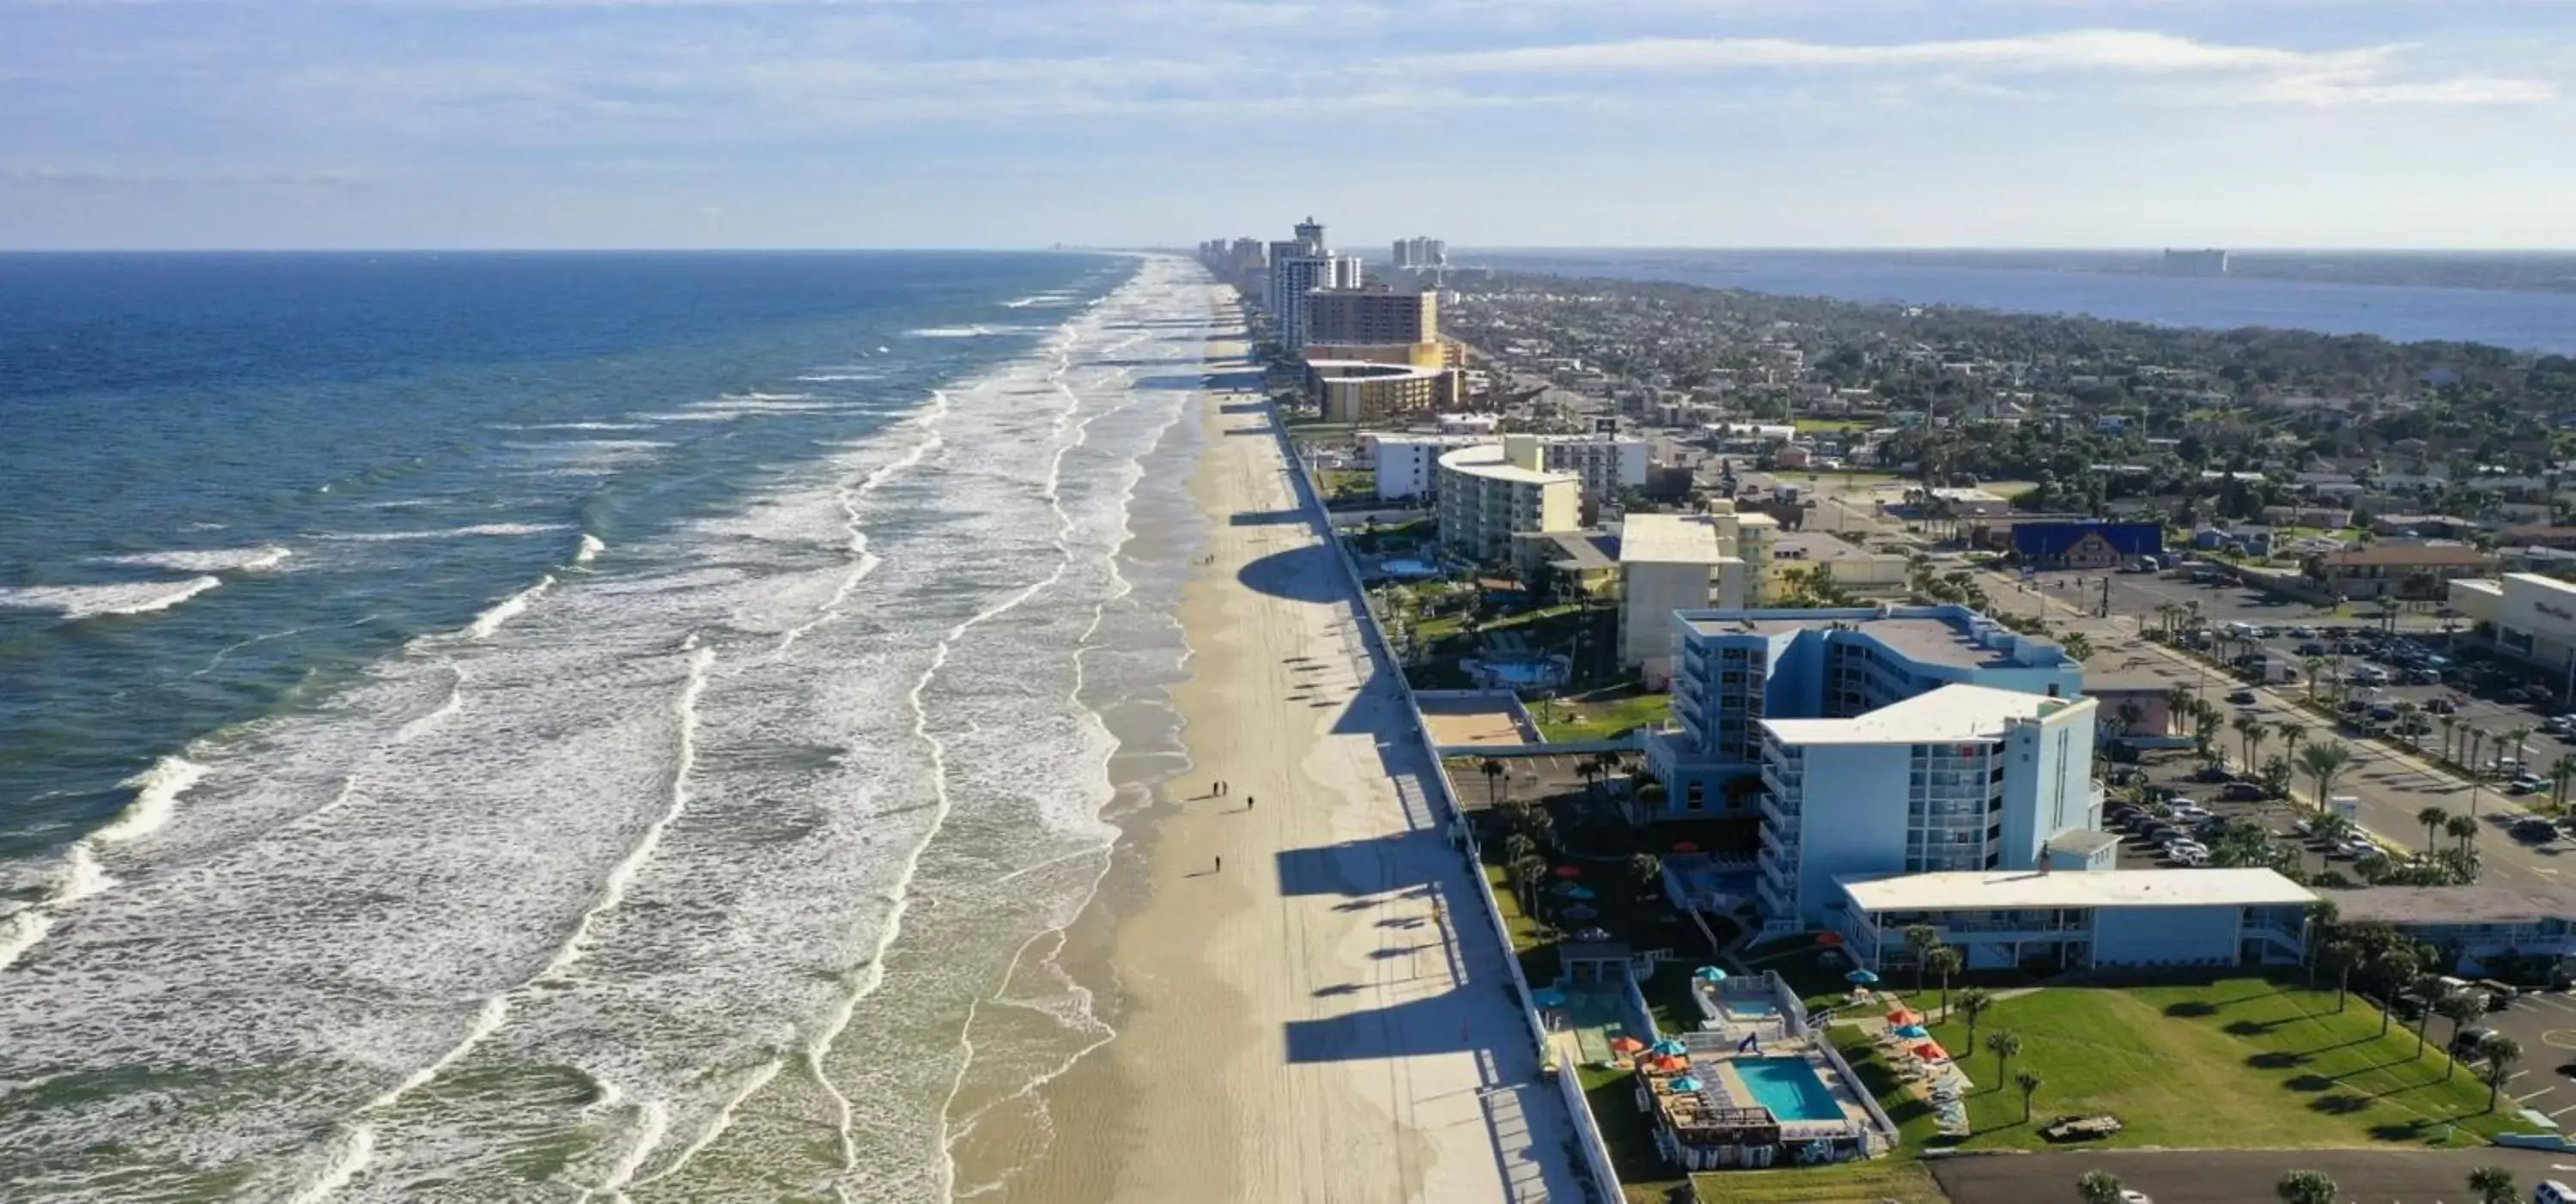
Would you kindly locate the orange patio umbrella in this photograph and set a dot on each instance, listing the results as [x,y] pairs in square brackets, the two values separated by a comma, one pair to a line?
[1902,1017]
[1623,1043]
[1931,1051]
[1671,1065]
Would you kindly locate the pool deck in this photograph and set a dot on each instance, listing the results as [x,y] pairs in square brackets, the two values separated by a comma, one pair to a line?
[1729,1016]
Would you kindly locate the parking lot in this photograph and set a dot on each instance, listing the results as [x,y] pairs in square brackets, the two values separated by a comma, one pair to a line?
[2196,804]
[2544,1024]
[2243,1176]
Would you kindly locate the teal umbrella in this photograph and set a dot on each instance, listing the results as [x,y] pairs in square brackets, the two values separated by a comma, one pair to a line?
[1670,1048]
[1548,997]
[1709,974]
[1687,1084]
[1914,1032]
[1862,977]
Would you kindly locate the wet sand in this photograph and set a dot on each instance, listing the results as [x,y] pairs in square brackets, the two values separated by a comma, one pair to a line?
[1306,1022]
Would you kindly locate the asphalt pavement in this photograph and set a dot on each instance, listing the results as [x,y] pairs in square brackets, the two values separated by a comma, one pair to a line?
[2243,1176]
[2391,787]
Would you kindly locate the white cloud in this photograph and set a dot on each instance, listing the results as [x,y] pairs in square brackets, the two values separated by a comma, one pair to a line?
[2362,75]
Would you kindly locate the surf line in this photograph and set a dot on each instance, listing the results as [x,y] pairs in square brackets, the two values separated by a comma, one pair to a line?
[355,1135]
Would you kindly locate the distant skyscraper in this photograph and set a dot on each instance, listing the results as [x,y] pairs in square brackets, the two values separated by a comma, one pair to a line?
[1311,233]
[1420,252]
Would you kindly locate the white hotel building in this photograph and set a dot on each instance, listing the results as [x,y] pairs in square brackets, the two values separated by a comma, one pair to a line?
[1964,778]
[1407,465]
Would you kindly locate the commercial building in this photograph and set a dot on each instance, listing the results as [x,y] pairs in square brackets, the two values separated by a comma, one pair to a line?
[1487,493]
[2086,545]
[1607,464]
[2397,570]
[1417,355]
[1963,778]
[1853,567]
[1738,674]
[1668,563]
[1298,267]
[2476,926]
[1371,314]
[2525,616]
[1359,391]
[2080,920]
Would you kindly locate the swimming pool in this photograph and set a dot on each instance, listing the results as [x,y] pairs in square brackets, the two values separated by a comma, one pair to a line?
[1789,1088]
[1750,1008]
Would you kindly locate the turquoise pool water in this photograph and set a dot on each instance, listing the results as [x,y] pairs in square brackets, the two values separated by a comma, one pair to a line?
[1789,1088]
[1751,1007]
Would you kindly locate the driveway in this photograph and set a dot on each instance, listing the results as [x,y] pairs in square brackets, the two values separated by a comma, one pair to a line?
[2242,1176]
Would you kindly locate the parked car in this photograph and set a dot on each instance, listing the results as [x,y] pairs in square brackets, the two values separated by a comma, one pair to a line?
[2194,857]
[2442,706]
[2528,783]
[2190,812]
[2243,698]
[2465,1044]
[2312,648]
[2244,792]
[2534,830]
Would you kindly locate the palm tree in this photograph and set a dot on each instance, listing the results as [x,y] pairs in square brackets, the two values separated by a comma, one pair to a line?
[2462,829]
[2077,645]
[2030,1084]
[1527,873]
[1945,961]
[2099,1187]
[2005,1044]
[2561,772]
[1648,870]
[1973,1002]
[2501,1052]
[2395,965]
[1589,771]
[1921,938]
[2428,988]
[2178,706]
[2518,736]
[2204,732]
[1518,845]
[1492,768]
[2314,667]
[2306,1187]
[2458,1007]
[2322,762]
[2494,1185]
[2450,727]
[2477,738]
[2292,734]
[2249,735]
[2434,820]
[2339,957]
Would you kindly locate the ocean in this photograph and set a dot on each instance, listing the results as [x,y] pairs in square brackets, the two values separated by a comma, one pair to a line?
[481,727]
[2531,321]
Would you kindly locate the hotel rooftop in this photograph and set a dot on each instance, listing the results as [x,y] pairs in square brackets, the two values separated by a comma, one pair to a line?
[1949,715]
[2035,889]
[1928,639]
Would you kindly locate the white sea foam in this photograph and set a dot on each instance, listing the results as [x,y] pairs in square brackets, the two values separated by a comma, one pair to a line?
[575,426]
[156,795]
[19,932]
[80,876]
[671,833]
[1040,301]
[476,530]
[95,601]
[219,560]
[506,609]
[967,332]
[839,377]
[591,547]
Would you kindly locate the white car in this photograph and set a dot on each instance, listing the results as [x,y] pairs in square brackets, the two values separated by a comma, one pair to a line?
[2135,1197]
[2191,813]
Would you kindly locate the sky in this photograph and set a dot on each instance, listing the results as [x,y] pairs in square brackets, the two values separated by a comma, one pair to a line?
[1492,123]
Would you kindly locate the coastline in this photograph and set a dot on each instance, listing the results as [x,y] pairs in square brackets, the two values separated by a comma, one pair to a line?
[1302,1023]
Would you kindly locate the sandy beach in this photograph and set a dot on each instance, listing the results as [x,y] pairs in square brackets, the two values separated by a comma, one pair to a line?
[1314,1020]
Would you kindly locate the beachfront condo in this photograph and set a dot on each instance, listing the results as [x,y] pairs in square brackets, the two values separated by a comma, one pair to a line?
[1888,739]
[1489,492]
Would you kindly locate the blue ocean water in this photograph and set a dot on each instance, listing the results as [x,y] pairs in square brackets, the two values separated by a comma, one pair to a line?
[473,726]
[2532,321]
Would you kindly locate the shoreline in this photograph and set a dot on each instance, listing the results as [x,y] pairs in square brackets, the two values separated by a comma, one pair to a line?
[1298,1021]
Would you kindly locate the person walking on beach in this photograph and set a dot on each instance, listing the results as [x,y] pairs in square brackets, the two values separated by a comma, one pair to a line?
[1248,800]
[1220,863]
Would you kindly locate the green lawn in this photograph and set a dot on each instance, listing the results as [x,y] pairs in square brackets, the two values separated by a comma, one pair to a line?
[1602,716]
[1536,952]
[2243,1063]
[1629,1135]
[1831,424]
[1454,623]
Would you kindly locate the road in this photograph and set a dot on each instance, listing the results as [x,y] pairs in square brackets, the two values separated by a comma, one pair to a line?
[2392,787]
[2243,1176]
